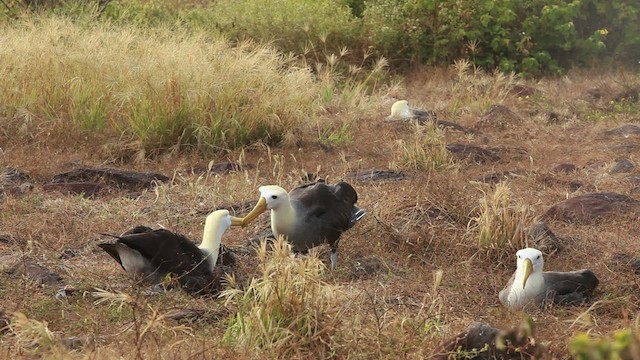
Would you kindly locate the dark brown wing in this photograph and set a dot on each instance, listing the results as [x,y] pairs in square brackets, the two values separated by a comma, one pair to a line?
[570,287]
[326,210]
[171,253]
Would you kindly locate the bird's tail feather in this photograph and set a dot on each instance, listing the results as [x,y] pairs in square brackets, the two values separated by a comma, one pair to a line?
[358,214]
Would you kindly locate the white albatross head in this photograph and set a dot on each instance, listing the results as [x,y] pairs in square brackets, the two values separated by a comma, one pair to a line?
[400,110]
[529,261]
[272,197]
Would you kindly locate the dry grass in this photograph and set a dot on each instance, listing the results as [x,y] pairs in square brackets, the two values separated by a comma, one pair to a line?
[474,90]
[501,222]
[426,152]
[287,310]
[156,89]
[408,275]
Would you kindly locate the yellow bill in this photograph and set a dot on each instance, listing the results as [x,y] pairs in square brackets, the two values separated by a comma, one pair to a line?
[528,268]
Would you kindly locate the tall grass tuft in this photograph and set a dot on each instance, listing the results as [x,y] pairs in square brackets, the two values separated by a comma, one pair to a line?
[164,89]
[501,223]
[426,151]
[287,311]
[476,90]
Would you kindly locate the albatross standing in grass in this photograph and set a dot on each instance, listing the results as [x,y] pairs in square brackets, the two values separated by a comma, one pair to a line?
[530,285]
[309,215]
[154,254]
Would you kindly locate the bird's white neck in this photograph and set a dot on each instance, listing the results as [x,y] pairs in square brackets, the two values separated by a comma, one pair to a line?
[518,296]
[211,240]
[406,113]
[283,218]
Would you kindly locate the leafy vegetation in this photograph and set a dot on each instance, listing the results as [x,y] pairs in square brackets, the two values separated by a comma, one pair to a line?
[623,344]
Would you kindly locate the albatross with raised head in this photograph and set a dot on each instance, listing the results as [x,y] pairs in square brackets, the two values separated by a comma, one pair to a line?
[310,215]
[529,285]
[154,254]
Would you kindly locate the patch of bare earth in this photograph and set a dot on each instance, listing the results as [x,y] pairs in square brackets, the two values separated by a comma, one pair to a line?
[417,224]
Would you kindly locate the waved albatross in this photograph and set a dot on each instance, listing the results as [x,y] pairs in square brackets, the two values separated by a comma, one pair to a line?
[154,254]
[530,285]
[310,215]
[400,110]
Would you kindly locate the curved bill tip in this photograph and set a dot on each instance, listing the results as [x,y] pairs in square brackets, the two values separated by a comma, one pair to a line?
[260,207]
[528,268]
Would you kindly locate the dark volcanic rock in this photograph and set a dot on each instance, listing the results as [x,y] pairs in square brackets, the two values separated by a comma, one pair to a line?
[123,179]
[87,189]
[627,260]
[473,153]
[498,117]
[621,166]
[522,90]
[565,168]
[484,342]
[590,207]
[36,272]
[375,175]
[624,130]
[542,238]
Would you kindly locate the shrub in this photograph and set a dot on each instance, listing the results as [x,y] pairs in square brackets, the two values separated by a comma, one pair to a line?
[529,37]
[624,344]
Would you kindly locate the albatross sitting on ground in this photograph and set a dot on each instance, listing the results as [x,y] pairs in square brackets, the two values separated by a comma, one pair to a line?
[309,215]
[400,110]
[154,254]
[530,285]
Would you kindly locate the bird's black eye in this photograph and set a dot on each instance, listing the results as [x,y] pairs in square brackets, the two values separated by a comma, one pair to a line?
[519,257]
[274,197]
[538,258]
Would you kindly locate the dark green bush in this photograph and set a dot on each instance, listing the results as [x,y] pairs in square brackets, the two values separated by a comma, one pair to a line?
[530,37]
